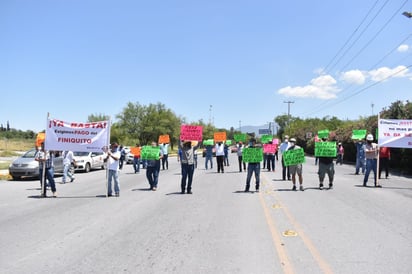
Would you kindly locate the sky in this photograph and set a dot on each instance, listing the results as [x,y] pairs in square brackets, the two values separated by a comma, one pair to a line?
[231,63]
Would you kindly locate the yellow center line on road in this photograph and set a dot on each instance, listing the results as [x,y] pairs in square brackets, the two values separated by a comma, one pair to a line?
[280,248]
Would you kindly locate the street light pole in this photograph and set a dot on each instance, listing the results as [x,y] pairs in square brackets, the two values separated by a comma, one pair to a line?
[289,102]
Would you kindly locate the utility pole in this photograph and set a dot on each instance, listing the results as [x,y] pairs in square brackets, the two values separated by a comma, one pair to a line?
[372,105]
[210,114]
[240,125]
[289,102]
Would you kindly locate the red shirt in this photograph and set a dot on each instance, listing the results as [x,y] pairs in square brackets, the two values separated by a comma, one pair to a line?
[384,152]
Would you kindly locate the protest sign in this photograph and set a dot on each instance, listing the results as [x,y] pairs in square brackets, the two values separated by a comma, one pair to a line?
[77,136]
[192,133]
[395,133]
[358,134]
[150,153]
[270,148]
[208,142]
[293,157]
[228,142]
[219,136]
[266,138]
[240,137]
[41,136]
[164,139]
[252,155]
[325,149]
[323,133]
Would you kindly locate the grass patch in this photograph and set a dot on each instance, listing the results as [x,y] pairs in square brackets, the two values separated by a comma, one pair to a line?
[15,145]
[4,165]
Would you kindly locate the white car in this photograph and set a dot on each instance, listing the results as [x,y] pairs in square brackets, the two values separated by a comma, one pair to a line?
[86,161]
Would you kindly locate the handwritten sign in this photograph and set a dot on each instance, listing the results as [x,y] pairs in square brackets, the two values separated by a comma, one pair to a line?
[270,148]
[294,157]
[358,134]
[228,142]
[188,132]
[240,137]
[323,133]
[150,153]
[136,151]
[266,138]
[219,136]
[252,155]
[208,142]
[325,149]
[164,139]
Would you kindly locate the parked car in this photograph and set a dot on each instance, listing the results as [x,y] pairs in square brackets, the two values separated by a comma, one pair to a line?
[86,161]
[27,166]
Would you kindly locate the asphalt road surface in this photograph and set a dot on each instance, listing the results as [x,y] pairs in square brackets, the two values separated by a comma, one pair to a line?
[217,229]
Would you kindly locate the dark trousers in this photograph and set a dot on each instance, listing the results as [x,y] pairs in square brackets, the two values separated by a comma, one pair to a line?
[152,175]
[270,162]
[384,164]
[241,163]
[285,170]
[219,160]
[253,168]
[165,161]
[187,176]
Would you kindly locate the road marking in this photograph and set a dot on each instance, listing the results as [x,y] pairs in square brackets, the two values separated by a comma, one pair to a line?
[280,248]
[290,233]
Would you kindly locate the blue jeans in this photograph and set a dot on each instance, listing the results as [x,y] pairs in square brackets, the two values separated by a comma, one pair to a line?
[360,163]
[187,175]
[49,174]
[67,173]
[209,158]
[253,167]
[152,175]
[113,174]
[136,164]
[371,164]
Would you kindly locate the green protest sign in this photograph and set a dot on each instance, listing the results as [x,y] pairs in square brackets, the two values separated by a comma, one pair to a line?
[323,133]
[150,153]
[208,142]
[325,149]
[228,142]
[252,155]
[358,134]
[266,138]
[293,157]
[240,137]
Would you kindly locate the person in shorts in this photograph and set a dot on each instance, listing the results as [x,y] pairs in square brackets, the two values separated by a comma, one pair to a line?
[295,169]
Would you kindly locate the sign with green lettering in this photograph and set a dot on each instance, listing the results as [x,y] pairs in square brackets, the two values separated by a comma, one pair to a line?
[252,155]
[240,137]
[358,134]
[294,157]
[150,153]
[325,149]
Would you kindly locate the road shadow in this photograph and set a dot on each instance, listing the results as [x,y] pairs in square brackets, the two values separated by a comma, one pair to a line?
[175,193]
[142,189]
[66,197]
[244,192]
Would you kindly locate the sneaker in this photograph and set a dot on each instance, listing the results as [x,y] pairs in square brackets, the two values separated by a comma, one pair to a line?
[378,185]
[54,194]
[330,186]
[189,192]
[321,186]
[294,188]
[154,188]
[117,194]
[257,190]
[72,179]
[301,188]
[109,195]
[247,189]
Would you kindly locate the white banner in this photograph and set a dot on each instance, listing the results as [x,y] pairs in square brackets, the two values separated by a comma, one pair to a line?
[395,133]
[74,136]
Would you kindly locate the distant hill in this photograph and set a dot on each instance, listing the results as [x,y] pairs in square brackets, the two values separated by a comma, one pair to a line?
[255,129]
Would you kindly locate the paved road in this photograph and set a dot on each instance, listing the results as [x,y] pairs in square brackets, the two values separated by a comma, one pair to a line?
[218,229]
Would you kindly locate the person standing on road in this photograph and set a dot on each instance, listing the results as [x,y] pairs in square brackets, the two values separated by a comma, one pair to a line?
[113,158]
[360,157]
[136,151]
[165,150]
[220,155]
[240,157]
[122,157]
[283,147]
[384,158]
[326,165]
[226,158]
[45,159]
[253,167]
[209,156]
[153,169]
[340,152]
[68,161]
[372,154]
[188,165]
[296,169]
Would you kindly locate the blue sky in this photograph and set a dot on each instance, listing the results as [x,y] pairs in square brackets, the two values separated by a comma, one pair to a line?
[236,62]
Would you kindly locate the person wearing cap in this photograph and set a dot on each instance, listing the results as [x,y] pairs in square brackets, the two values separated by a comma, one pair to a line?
[113,157]
[295,169]
[372,154]
[360,157]
[188,165]
[326,165]
[253,167]
[283,147]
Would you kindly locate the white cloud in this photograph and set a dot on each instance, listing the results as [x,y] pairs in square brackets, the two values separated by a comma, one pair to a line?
[322,87]
[403,48]
[383,73]
[354,77]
